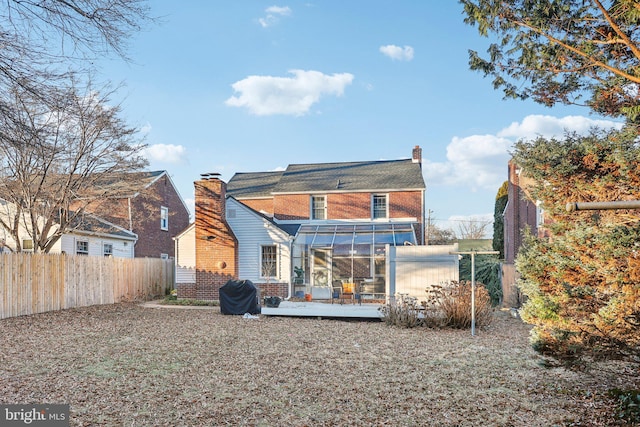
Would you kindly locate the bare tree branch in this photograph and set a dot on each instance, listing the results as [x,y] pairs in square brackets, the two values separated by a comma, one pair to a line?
[56,161]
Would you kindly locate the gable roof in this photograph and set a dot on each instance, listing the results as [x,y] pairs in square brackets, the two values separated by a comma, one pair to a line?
[85,223]
[380,175]
[91,224]
[254,184]
[289,229]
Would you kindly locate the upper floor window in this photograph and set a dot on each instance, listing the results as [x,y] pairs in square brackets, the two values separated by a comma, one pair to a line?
[268,261]
[379,206]
[82,247]
[318,207]
[107,249]
[164,218]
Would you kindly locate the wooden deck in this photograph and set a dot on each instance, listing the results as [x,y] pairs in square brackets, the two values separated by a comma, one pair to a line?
[324,309]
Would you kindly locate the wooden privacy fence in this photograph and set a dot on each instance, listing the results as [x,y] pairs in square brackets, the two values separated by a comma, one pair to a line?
[36,283]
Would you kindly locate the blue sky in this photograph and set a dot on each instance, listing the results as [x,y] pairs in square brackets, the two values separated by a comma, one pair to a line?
[244,86]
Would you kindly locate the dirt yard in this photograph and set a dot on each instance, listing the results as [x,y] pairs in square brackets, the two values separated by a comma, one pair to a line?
[128,365]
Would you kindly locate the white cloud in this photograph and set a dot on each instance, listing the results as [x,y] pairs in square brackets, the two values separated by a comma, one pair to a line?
[397,53]
[268,95]
[273,14]
[479,162]
[549,126]
[165,153]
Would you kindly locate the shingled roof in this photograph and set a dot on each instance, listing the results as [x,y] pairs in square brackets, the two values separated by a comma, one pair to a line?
[383,175]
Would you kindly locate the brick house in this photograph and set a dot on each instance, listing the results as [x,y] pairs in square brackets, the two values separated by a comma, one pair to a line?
[521,213]
[156,213]
[307,227]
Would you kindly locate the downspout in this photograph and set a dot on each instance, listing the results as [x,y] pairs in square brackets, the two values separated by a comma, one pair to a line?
[133,246]
[289,288]
[424,206]
[130,215]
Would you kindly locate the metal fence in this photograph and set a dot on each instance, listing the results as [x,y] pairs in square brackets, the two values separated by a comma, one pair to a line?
[37,283]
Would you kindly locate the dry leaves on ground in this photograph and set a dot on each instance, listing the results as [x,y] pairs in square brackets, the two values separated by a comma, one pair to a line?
[130,365]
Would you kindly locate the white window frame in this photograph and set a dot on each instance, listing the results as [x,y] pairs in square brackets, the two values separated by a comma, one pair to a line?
[539,214]
[373,206]
[315,210]
[106,252]
[164,218]
[82,252]
[164,256]
[262,261]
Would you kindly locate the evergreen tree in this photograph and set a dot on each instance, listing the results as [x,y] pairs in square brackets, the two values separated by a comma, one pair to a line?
[498,219]
[562,51]
[583,284]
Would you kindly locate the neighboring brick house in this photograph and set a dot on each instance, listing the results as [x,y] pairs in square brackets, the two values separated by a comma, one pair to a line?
[521,213]
[156,213]
[305,228]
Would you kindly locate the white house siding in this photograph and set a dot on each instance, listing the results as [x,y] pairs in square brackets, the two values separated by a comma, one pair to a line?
[412,269]
[121,248]
[253,231]
[186,248]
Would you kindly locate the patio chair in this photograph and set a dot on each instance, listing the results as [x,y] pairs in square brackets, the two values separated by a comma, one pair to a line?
[336,291]
[348,292]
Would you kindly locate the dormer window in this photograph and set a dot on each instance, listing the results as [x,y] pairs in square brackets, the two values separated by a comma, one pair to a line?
[379,206]
[318,207]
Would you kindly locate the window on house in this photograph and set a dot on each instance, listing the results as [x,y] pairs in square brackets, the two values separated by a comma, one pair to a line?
[268,260]
[539,214]
[27,245]
[82,247]
[379,206]
[107,249]
[164,256]
[318,207]
[164,218]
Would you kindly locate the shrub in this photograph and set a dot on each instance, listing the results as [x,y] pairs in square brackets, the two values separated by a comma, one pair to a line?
[487,272]
[403,311]
[628,404]
[445,306]
[454,304]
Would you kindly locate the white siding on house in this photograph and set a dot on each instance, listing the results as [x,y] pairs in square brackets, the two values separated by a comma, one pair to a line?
[121,249]
[186,248]
[253,231]
[185,274]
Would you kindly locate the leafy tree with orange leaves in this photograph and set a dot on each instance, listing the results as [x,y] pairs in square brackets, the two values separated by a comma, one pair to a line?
[583,283]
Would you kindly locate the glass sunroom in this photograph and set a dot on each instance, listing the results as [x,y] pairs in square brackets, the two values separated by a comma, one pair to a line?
[326,254]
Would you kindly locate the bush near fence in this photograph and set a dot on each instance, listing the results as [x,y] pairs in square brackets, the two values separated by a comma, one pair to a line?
[37,283]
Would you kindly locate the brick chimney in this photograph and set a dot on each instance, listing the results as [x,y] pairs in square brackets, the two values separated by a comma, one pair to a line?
[216,245]
[416,154]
